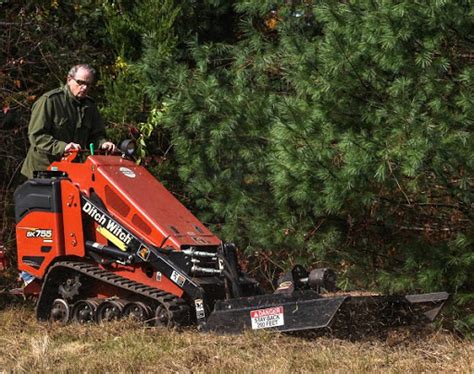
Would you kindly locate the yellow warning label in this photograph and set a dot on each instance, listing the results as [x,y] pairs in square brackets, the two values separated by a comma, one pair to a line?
[106,233]
[143,253]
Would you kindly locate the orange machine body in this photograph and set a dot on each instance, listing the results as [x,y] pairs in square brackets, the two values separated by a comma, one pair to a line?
[138,200]
[62,221]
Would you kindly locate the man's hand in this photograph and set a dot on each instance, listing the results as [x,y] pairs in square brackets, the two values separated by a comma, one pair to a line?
[109,147]
[72,147]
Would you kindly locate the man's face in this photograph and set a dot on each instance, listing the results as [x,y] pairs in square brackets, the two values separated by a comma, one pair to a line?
[80,83]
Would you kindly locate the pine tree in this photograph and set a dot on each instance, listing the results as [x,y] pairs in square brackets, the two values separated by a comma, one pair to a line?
[323,132]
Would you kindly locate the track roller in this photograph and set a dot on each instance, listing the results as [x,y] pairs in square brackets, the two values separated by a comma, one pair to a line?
[110,310]
[60,311]
[171,312]
[163,316]
[137,310]
[83,311]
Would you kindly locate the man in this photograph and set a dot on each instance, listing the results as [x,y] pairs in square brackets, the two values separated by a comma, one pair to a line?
[63,120]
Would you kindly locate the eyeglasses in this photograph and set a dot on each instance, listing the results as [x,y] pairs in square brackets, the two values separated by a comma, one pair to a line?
[81,82]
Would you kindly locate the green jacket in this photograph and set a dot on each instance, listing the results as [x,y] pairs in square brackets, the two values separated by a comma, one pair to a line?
[58,118]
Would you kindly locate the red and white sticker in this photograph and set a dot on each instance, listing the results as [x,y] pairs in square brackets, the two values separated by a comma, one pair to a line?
[266,318]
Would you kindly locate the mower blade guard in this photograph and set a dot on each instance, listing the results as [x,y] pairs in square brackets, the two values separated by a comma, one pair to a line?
[345,315]
[431,303]
[373,315]
[281,312]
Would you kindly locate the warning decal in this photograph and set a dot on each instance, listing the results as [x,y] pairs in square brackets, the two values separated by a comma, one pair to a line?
[178,278]
[266,318]
[143,253]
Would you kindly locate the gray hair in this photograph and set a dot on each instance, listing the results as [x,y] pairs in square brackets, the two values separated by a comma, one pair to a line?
[75,68]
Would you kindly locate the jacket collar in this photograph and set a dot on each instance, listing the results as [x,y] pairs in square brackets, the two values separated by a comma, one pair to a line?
[69,94]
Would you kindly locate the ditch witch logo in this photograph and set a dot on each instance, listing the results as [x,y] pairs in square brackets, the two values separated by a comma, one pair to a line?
[107,222]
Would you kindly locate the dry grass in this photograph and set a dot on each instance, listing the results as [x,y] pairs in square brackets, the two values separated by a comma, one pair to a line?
[27,345]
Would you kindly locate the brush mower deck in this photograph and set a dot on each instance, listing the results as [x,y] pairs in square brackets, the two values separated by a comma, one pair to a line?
[307,310]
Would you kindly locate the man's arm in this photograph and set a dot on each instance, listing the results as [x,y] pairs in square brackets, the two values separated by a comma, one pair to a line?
[39,129]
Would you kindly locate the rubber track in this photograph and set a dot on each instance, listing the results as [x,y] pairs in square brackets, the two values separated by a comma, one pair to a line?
[177,306]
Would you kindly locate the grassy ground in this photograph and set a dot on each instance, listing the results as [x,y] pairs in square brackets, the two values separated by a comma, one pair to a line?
[27,345]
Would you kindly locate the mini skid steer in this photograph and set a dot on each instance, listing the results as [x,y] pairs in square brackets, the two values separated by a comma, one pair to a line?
[105,240]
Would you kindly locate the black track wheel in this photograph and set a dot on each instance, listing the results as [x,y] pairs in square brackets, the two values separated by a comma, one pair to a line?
[110,310]
[171,312]
[83,311]
[163,316]
[137,311]
[60,311]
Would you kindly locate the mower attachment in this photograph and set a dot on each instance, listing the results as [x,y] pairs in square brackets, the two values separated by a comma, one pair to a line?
[307,310]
